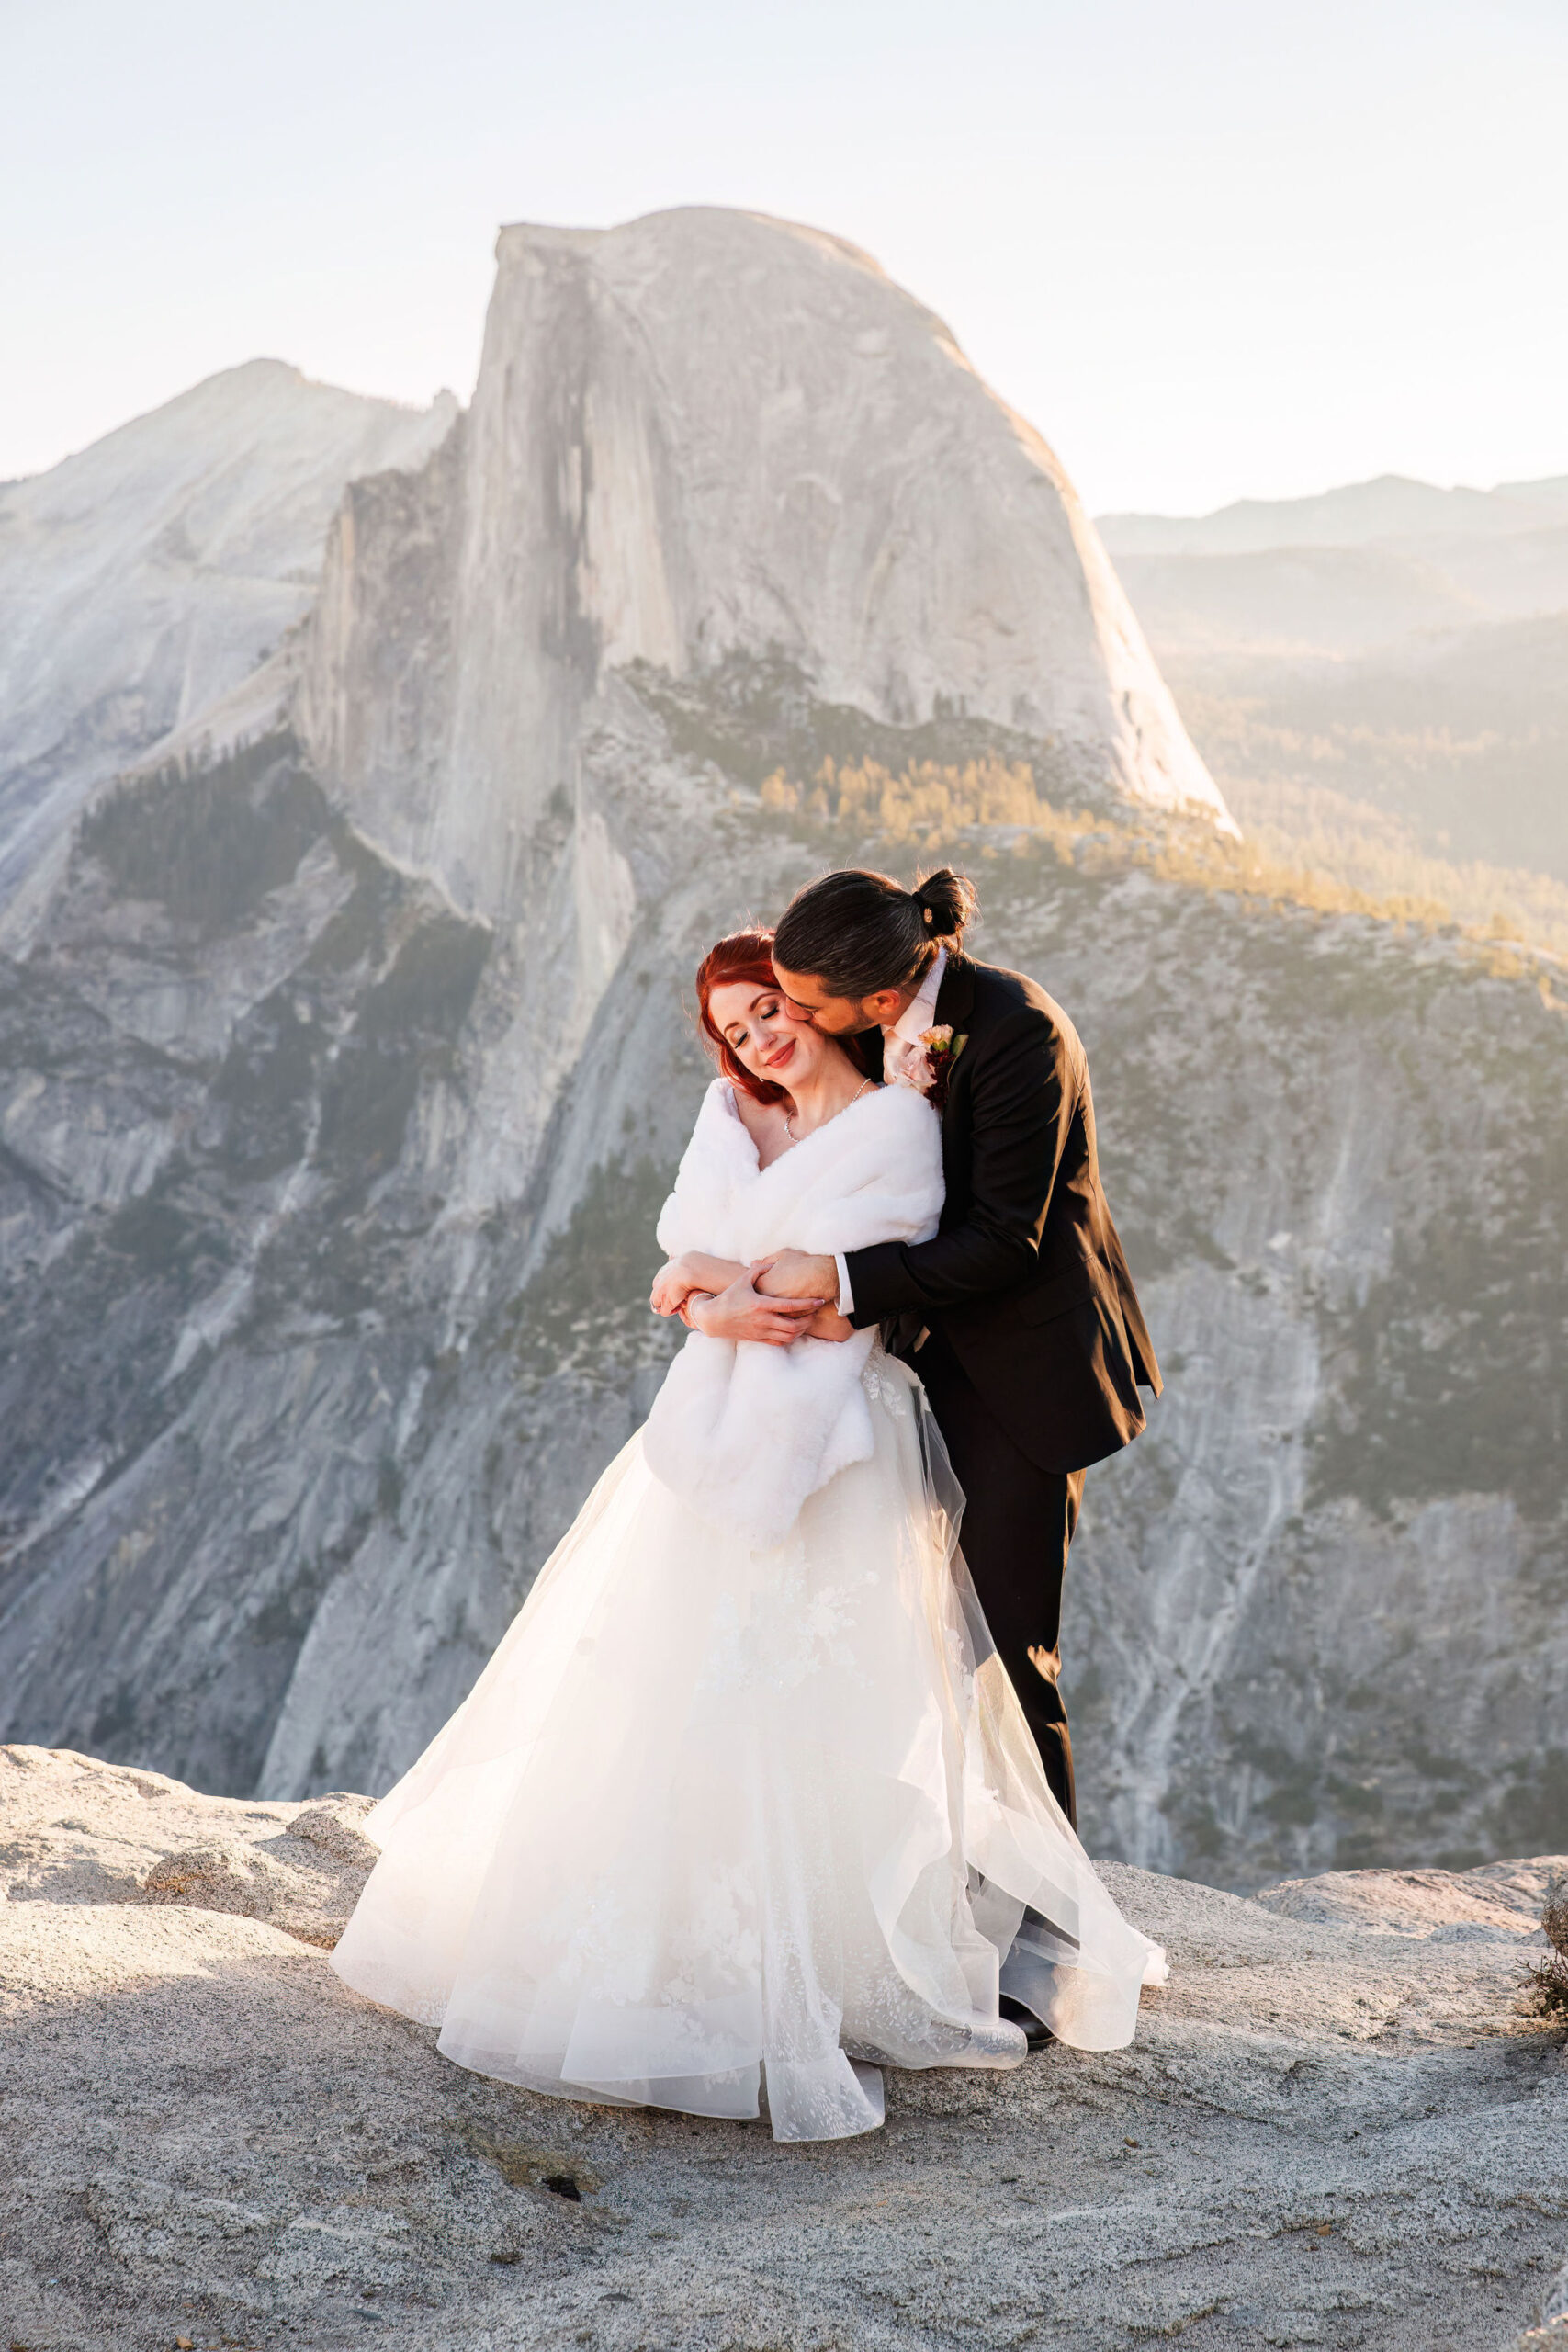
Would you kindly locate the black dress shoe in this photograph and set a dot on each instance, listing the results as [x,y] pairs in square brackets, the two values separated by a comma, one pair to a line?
[1036,2034]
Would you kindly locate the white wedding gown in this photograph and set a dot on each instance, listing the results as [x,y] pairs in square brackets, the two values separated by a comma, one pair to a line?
[723,1815]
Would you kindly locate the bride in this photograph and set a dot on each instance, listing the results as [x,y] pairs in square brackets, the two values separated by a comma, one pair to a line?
[744,1804]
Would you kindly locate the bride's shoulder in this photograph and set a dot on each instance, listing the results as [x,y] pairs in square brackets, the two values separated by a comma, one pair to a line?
[903,1121]
[720,1100]
[760,1120]
[733,1123]
[906,1108]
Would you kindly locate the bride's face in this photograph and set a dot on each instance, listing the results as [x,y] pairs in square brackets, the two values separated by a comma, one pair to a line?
[765,1035]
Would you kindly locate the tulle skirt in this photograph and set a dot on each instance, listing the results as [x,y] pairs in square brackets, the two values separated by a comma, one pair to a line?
[716,1821]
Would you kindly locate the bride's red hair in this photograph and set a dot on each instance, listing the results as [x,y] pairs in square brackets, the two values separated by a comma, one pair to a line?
[747,956]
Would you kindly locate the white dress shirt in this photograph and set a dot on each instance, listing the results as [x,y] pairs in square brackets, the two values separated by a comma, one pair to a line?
[897,1043]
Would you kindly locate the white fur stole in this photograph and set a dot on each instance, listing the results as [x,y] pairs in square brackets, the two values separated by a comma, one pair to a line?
[743,1431]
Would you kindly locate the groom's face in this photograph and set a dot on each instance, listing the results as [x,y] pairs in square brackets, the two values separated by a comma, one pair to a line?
[837,1016]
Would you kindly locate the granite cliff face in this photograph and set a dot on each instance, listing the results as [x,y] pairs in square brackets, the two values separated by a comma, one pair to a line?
[708,435]
[346,1067]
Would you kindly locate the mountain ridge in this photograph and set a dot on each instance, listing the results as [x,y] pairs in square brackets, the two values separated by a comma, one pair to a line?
[1387,506]
[1376,677]
[144,579]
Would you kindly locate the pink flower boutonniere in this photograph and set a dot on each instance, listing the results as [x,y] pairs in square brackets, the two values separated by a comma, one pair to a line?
[927,1065]
[913,1069]
[943,1049]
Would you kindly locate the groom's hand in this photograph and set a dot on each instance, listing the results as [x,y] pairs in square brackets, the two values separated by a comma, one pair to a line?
[794,1274]
[740,1313]
[692,1271]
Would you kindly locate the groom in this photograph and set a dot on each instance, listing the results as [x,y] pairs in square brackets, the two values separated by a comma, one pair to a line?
[1020,1314]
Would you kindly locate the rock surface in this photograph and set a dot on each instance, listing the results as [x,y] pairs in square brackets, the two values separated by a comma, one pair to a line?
[1334,2130]
[140,1837]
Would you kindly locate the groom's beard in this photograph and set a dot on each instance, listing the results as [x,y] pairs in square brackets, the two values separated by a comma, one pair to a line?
[855,1027]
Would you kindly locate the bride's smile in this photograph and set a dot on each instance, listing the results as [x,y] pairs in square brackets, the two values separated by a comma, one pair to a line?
[765,1035]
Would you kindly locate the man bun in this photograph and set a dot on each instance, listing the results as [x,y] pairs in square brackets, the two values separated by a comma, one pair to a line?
[947,902]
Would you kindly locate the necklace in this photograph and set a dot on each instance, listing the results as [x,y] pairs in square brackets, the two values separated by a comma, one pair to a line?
[837,1114]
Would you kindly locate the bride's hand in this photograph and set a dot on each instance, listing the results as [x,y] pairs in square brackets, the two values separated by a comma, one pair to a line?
[672,1285]
[692,1271]
[741,1312]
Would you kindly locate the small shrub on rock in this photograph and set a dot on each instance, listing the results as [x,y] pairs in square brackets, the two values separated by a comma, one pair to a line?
[1547,1980]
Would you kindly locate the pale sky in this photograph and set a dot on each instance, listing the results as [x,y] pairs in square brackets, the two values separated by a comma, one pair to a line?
[1212,248]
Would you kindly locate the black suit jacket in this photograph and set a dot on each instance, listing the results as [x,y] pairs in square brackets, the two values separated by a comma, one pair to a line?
[1025,1278]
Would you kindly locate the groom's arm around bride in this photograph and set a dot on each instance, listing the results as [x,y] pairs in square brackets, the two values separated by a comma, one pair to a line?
[1019,1312]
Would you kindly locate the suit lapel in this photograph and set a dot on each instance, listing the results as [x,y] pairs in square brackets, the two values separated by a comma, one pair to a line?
[868,1044]
[955,996]
[954,1003]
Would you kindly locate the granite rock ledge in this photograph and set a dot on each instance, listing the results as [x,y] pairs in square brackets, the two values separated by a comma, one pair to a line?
[1337,2127]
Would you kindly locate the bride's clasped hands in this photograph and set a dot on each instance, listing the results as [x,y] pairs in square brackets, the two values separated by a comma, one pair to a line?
[725,1302]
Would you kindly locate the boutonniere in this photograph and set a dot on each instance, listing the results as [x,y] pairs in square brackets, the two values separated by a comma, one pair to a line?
[928,1065]
[944,1051]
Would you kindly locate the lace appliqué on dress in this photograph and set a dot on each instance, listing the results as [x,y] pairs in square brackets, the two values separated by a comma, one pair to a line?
[787,1630]
[892,1395]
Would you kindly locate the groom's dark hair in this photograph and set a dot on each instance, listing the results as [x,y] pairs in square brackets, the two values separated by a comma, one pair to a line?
[858,932]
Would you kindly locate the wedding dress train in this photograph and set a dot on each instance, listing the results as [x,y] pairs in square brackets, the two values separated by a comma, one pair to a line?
[725,1815]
